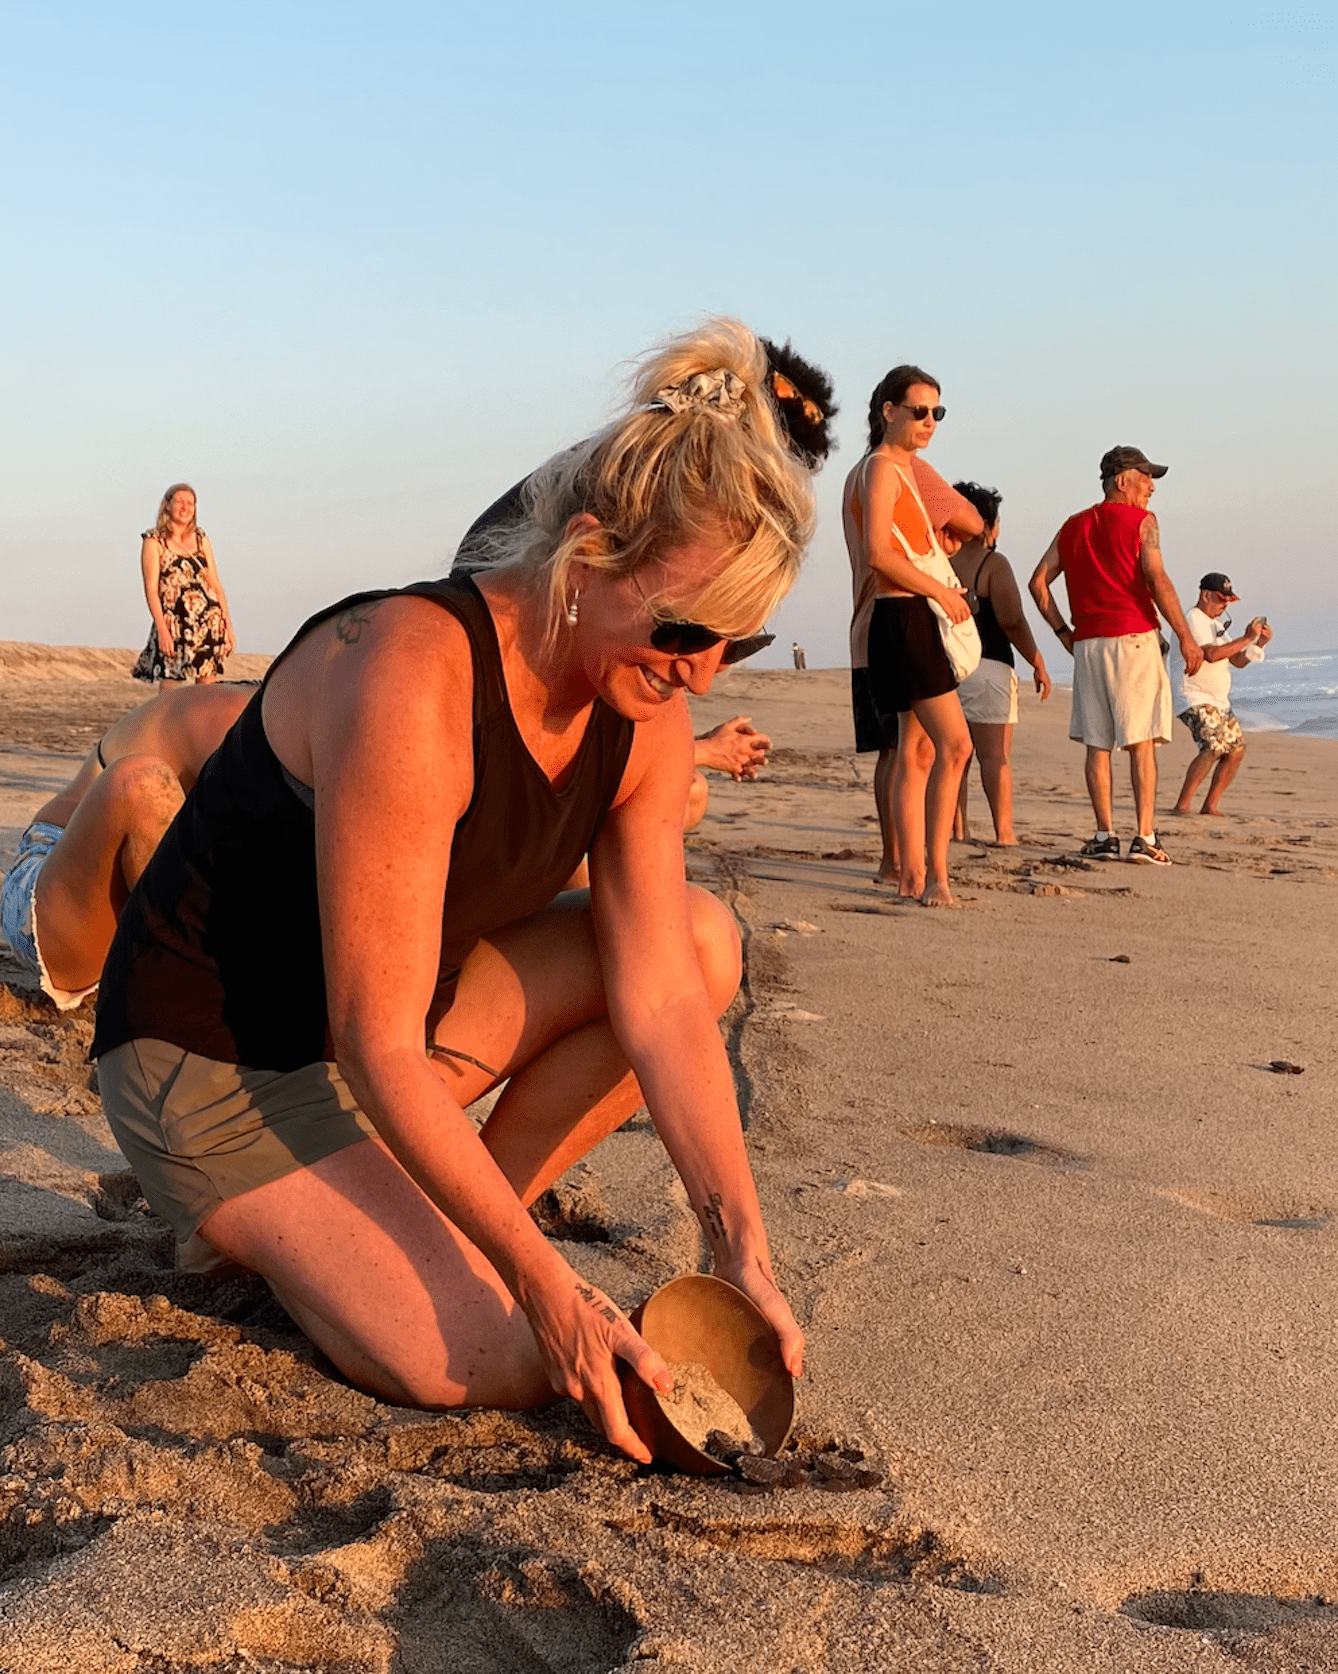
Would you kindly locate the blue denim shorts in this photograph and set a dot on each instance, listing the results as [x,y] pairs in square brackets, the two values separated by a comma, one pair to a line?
[18,910]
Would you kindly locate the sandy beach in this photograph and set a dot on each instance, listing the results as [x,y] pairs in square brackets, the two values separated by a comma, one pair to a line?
[1064,1244]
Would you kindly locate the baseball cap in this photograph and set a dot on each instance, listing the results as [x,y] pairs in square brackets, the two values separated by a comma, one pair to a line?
[1128,459]
[1216,582]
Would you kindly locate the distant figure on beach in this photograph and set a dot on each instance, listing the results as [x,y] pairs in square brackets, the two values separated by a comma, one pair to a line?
[1110,558]
[191,636]
[797,651]
[84,850]
[989,696]
[355,928]
[954,520]
[1203,700]
[918,606]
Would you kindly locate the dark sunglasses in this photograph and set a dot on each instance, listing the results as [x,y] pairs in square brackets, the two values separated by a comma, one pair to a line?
[922,413]
[680,639]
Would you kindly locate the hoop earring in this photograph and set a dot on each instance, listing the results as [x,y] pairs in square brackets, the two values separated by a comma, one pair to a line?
[574,608]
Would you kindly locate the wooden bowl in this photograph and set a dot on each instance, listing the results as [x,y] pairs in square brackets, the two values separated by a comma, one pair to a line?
[704,1319]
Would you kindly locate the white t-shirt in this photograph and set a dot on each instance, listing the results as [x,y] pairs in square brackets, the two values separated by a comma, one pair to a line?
[1212,684]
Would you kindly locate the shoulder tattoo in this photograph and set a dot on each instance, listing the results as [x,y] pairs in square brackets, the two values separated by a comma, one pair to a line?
[349,623]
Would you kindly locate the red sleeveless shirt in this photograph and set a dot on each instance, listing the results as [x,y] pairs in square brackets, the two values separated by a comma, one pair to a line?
[1099,551]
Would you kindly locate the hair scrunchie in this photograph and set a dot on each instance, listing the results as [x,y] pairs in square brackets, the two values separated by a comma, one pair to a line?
[720,391]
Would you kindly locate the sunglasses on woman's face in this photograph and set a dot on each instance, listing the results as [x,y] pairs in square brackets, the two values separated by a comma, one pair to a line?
[920,414]
[678,639]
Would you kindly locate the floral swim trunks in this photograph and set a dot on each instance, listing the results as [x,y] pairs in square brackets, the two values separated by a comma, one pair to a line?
[1215,730]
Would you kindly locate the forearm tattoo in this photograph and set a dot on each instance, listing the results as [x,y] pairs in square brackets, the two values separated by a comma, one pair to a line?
[713,1215]
[605,1310]
[350,623]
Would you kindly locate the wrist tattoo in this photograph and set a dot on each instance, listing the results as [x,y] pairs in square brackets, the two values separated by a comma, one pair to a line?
[605,1310]
[712,1214]
[350,623]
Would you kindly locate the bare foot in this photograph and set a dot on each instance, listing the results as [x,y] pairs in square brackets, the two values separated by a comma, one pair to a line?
[1182,813]
[1009,842]
[891,879]
[938,895]
[1213,813]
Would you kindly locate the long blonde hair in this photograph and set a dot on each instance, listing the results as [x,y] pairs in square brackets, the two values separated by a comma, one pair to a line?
[163,522]
[656,477]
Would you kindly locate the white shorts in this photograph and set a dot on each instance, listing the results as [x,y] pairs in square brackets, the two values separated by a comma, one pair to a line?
[989,695]
[1121,692]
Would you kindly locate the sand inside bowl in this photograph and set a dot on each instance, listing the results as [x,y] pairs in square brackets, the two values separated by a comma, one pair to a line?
[697,1405]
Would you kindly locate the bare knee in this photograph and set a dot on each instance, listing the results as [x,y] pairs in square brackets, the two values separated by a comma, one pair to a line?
[719,950]
[698,796]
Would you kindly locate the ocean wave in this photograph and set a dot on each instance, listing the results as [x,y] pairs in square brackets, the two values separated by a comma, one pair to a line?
[1252,720]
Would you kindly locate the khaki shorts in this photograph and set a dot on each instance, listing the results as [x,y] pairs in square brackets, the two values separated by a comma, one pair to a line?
[197,1132]
[1121,692]
[989,695]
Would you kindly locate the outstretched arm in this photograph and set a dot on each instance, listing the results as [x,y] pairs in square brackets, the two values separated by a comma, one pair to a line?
[1153,571]
[663,1018]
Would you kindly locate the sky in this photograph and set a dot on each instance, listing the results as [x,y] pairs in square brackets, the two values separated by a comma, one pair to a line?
[352,270]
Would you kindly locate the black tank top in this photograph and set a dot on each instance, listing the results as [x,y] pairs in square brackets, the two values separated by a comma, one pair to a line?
[218,950]
[994,642]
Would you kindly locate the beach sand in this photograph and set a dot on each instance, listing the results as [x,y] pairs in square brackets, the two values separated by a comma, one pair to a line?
[1064,1246]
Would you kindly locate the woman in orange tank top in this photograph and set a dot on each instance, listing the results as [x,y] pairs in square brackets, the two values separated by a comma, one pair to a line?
[909,672]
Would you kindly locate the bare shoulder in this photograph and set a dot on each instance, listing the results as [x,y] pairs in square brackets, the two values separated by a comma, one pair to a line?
[403,639]
[995,570]
[661,746]
[1149,532]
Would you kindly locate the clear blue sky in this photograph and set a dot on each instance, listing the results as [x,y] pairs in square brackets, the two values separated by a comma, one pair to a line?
[352,269]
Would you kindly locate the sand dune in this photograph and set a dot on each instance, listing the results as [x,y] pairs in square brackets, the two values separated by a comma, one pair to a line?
[1064,1245]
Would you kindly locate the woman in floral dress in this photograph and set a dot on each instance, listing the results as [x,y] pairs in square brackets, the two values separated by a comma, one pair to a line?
[192,630]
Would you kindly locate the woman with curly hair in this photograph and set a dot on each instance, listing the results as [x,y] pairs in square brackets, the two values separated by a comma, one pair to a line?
[191,636]
[350,933]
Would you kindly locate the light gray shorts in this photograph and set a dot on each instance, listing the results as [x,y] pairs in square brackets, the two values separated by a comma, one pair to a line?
[1121,692]
[989,695]
[197,1132]
[18,911]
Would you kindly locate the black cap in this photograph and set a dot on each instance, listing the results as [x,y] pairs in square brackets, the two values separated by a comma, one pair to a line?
[1216,582]
[1128,459]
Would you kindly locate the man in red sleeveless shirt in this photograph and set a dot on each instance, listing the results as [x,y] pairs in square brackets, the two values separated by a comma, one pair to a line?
[1110,558]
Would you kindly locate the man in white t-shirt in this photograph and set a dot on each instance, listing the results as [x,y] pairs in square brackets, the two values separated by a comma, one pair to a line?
[1203,699]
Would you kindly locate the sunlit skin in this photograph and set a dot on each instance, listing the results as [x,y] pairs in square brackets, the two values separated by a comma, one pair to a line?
[933,744]
[410,1258]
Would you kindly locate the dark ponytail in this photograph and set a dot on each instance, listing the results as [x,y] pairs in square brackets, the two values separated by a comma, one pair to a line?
[893,388]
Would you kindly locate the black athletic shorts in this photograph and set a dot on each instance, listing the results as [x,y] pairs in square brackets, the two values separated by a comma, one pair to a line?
[872,730]
[907,661]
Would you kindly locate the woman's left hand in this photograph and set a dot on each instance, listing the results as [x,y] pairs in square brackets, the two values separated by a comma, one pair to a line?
[754,1279]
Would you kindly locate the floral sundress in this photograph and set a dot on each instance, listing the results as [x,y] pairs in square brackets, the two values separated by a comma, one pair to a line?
[196,614]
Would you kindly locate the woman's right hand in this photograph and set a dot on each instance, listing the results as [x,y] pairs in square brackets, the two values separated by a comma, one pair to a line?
[580,1336]
[953,600]
[167,638]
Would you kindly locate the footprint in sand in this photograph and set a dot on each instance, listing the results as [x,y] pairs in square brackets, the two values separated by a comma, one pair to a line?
[995,1142]
[1254,1209]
